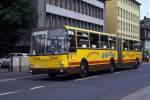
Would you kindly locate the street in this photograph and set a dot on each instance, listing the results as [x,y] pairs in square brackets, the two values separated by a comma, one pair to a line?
[133,84]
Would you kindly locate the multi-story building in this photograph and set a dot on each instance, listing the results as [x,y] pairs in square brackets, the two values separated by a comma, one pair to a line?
[122,17]
[86,14]
[145,33]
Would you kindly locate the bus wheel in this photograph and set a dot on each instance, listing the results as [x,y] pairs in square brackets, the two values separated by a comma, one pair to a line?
[0,65]
[83,69]
[112,66]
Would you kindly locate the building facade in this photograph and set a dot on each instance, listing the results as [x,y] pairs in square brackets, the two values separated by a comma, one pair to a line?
[123,18]
[145,33]
[86,14]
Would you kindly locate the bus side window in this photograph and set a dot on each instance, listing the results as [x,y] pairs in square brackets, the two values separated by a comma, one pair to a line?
[136,46]
[139,46]
[125,44]
[112,43]
[94,41]
[131,45]
[82,40]
[72,41]
[104,42]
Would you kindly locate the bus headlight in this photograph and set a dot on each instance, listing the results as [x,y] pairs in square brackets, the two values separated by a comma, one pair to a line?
[61,64]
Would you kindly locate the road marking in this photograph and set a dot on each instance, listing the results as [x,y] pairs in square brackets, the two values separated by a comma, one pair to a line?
[117,72]
[87,78]
[139,69]
[145,63]
[7,93]
[138,94]
[124,71]
[13,79]
[37,87]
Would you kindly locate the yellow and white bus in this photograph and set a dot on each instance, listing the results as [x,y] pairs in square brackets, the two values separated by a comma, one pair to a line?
[70,50]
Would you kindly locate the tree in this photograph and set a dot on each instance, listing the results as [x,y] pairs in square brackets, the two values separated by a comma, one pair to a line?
[17,17]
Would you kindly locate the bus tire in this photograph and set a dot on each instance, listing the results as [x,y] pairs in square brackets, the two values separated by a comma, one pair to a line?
[1,65]
[83,69]
[112,65]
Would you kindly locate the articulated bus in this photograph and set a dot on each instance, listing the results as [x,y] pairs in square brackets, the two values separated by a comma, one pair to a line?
[71,50]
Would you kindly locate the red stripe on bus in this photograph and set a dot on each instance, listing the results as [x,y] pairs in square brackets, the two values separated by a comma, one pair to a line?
[129,59]
[92,62]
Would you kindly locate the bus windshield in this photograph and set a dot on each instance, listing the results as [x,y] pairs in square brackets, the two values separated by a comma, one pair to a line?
[56,45]
[38,43]
[54,42]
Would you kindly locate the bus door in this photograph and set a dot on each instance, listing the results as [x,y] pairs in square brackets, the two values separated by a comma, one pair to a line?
[72,45]
[119,44]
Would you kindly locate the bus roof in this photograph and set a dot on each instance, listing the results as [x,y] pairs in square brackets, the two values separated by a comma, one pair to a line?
[84,30]
[132,39]
[90,31]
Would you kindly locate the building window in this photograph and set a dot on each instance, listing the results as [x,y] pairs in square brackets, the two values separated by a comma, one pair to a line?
[118,11]
[82,4]
[129,16]
[124,14]
[121,12]
[129,28]
[118,24]
[121,25]
[124,26]
[86,8]
[102,11]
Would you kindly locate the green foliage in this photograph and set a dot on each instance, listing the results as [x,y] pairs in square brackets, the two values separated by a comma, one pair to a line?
[17,17]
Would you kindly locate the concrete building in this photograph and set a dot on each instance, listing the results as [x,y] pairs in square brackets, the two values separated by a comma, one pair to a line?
[86,14]
[145,33]
[123,18]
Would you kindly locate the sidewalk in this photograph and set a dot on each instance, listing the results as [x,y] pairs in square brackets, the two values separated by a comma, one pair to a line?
[143,94]
[15,69]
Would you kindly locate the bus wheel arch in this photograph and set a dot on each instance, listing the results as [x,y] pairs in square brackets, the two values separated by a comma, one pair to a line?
[84,67]
[1,64]
[112,65]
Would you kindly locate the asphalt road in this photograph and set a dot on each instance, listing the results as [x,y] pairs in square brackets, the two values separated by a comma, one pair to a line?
[121,85]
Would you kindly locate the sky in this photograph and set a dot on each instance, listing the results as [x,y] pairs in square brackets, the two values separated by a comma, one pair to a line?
[145,8]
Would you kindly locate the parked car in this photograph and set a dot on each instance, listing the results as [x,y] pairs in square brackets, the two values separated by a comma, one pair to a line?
[5,62]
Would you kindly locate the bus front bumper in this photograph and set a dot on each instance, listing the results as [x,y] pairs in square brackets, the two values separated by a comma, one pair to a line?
[49,71]
[68,70]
